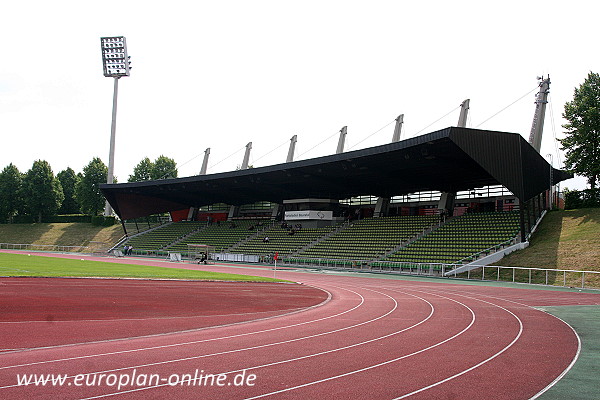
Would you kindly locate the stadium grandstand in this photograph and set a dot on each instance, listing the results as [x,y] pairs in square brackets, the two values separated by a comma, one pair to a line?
[376,205]
[449,197]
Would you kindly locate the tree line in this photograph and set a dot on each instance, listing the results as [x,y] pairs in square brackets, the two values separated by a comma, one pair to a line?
[38,193]
[582,141]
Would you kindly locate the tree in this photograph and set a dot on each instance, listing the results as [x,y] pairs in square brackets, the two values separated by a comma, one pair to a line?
[11,200]
[68,180]
[142,171]
[582,141]
[87,190]
[42,191]
[164,167]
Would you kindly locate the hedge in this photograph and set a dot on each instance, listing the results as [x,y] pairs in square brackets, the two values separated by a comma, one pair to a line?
[586,198]
[98,220]
[101,220]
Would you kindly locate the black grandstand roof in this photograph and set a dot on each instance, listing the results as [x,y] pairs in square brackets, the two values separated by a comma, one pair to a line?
[448,160]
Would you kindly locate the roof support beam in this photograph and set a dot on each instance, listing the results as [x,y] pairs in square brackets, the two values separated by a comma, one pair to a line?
[446,203]
[398,128]
[205,162]
[246,156]
[342,140]
[382,206]
[290,156]
[464,112]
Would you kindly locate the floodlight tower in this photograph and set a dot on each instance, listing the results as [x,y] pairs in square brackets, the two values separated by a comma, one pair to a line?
[537,126]
[115,63]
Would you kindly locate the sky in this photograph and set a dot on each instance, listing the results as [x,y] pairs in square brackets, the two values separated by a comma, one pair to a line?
[220,74]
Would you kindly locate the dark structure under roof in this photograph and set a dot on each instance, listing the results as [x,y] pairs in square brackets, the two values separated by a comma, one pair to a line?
[448,160]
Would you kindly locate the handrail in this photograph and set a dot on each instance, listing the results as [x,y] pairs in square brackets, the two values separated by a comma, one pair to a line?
[488,250]
[577,278]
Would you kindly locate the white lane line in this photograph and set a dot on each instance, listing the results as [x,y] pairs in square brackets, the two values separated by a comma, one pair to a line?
[239,350]
[478,364]
[432,309]
[379,364]
[287,310]
[573,361]
[362,300]
[575,357]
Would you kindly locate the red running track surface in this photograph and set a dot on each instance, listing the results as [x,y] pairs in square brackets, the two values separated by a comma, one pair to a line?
[374,339]
[40,312]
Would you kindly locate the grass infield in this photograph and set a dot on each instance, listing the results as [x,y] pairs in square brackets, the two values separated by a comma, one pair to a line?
[32,265]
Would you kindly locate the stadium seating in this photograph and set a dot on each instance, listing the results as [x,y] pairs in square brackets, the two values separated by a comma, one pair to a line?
[282,240]
[370,238]
[380,241]
[461,238]
[164,235]
[221,235]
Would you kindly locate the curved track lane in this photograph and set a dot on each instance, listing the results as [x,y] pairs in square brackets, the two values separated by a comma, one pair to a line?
[375,338]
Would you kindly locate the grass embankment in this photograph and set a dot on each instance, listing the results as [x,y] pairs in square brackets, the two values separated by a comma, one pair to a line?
[63,234]
[25,265]
[565,240]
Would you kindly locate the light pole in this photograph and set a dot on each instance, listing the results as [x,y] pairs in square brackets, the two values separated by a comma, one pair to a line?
[115,63]
[550,189]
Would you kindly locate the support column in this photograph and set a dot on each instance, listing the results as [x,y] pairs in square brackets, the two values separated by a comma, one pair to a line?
[292,149]
[447,199]
[191,213]
[398,128]
[124,228]
[522,221]
[447,202]
[382,208]
[234,211]
[464,113]
[205,162]
[342,140]
[528,217]
[290,158]
[275,211]
[246,156]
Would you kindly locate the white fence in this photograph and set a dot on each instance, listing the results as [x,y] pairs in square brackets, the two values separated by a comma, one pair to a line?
[55,248]
[533,276]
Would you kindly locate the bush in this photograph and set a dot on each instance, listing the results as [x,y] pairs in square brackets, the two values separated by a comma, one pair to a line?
[109,221]
[586,198]
[97,220]
[68,218]
[23,219]
[101,220]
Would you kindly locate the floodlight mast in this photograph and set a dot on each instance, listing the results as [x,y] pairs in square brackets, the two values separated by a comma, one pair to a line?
[116,64]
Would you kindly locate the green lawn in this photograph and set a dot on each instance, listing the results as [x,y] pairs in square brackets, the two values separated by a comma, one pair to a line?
[564,240]
[32,265]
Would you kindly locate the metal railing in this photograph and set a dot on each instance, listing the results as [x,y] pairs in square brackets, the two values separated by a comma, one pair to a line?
[409,268]
[54,248]
[488,251]
[533,276]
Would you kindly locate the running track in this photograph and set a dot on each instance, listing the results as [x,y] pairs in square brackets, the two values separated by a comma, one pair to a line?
[373,339]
